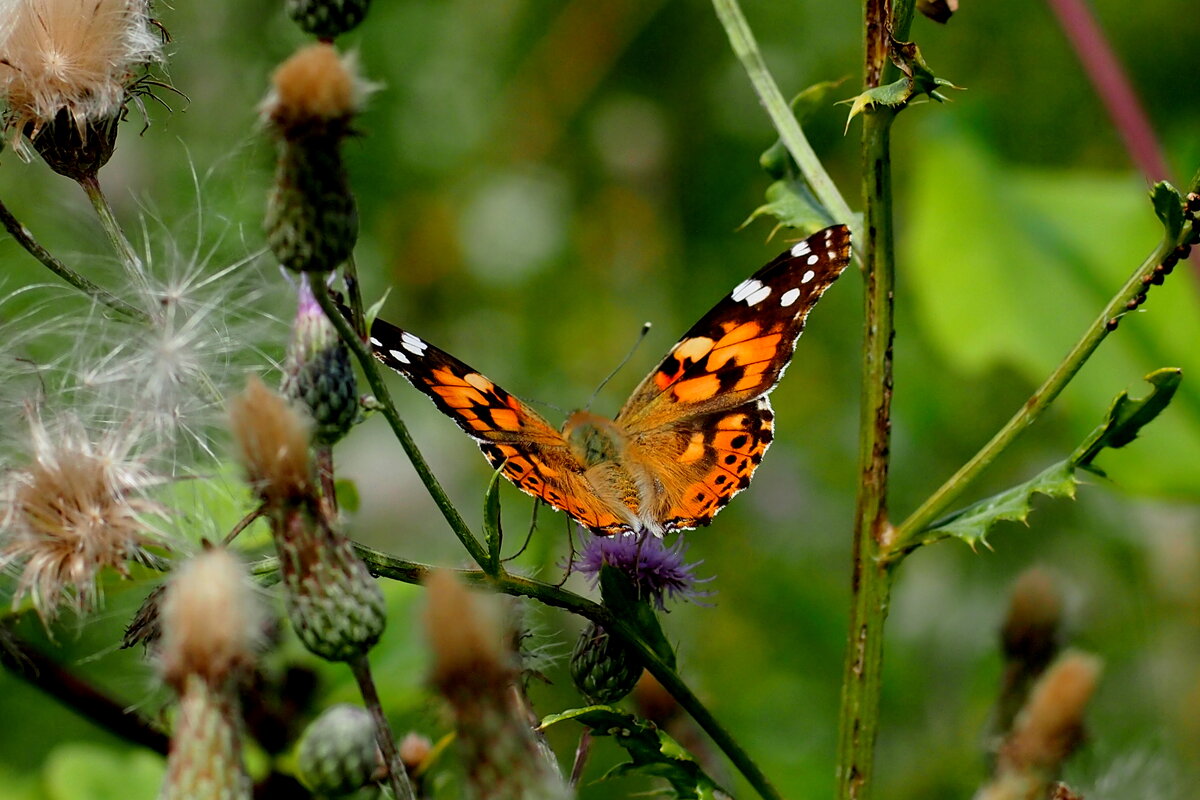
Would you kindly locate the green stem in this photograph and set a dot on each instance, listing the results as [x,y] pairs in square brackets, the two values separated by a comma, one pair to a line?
[741,38]
[371,369]
[410,572]
[907,533]
[24,238]
[112,228]
[871,581]
[397,775]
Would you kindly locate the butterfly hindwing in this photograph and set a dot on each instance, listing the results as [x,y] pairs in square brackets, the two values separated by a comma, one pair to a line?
[512,436]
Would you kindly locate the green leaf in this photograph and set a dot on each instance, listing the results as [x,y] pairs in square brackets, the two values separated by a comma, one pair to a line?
[1126,418]
[1168,205]
[651,751]
[373,311]
[776,160]
[791,202]
[78,771]
[348,498]
[621,598]
[918,81]
[492,529]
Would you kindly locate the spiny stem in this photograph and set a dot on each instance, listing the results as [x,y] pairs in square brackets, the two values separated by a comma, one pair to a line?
[908,532]
[741,38]
[24,238]
[112,228]
[371,369]
[397,775]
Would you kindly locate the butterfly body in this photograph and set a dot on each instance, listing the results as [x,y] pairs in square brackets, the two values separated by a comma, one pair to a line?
[690,436]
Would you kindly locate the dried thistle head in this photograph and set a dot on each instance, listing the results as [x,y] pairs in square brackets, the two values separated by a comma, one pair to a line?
[211,620]
[78,506]
[1050,726]
[314,90]
[467,633]
[76,61]
[273,440]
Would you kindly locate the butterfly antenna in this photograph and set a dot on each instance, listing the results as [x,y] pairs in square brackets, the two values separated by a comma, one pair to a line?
[641,336]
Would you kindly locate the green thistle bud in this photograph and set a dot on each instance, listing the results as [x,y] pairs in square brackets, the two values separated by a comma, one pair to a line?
[333,602]
[603,667]
[327,19]
[318,372]
[337,752]
[312,219]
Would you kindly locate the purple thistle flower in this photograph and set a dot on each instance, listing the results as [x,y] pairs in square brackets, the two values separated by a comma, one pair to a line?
[657,569]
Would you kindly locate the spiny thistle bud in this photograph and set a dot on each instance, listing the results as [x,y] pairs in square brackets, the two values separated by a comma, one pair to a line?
[318,372]
[327,19]
[76,508]
[333,602]
[474,670]
[211,623]
[273,440]
[603,667]
[337,752]
[67,69]
[312,221]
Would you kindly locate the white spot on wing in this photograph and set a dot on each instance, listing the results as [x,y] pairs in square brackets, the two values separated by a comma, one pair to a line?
[396,354]
[758,295]
[801,249]
[412,344]
[808,276]
[745,289]
[813,259]
[376,342]
[789,297]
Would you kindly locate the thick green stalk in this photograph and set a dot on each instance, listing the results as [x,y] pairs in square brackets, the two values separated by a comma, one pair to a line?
[112,228]
[371,369]
[871,579]
[908,533]
[24,238]
[741,38]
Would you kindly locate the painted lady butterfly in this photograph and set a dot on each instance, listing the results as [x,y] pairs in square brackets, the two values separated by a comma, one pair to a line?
[686,441]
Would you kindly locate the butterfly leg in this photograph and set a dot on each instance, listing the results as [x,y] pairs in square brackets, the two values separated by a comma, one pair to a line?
[529,536]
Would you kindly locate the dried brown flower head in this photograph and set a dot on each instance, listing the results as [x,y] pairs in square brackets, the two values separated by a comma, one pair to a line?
[77,507]
[315,87]
[273,440]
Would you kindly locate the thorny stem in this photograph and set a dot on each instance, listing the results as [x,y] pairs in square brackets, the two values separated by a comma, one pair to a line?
[24,238]
[411,572]
[371,369]
[116,236]
[397,775]
[908,533]
[741,38]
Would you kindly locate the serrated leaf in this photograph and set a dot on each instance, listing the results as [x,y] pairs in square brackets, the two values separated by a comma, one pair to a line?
[1168,205]
[492,530]
[347,494]
[791,202]
[621,598]
[776,160]
[918,81]
[1126,417]
[651,751]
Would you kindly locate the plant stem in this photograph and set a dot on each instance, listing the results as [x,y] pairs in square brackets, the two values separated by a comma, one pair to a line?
[388,566]
[397,775]
[871,579]
[371,369]
[741,38]
[116,236]
[907,534]
[24,238]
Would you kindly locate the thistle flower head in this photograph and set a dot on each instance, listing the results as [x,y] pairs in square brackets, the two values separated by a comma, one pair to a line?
[315,90]
[78,506]
[467,633]
[658,570]
[273,440]
[75,58]
[211,620]
[318,373]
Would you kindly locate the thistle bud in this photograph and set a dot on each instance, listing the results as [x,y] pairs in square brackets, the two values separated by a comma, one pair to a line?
[312,220]
[318,373]
[327,19]
[474,670]
[211,623]
[603,667]
[337,752]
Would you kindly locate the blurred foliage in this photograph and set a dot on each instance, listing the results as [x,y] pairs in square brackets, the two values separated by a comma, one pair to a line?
[538,178]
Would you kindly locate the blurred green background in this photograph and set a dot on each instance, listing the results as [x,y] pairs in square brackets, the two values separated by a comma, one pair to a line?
[538,178]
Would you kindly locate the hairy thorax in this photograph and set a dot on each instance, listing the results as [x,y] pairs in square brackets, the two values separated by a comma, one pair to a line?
[603,448]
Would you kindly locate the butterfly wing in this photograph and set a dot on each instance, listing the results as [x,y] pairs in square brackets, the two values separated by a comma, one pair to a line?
[702,416]
[512,436]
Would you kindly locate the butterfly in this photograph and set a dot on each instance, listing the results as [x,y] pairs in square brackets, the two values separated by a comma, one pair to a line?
[690,436]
